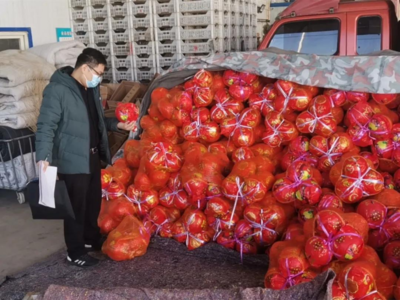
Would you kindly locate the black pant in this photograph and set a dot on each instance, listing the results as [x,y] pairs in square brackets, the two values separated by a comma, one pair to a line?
[84,191]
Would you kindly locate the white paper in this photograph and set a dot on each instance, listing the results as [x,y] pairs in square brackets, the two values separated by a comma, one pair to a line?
[47,185]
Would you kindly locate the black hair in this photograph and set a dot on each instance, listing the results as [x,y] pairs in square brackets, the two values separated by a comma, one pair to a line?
[91,57]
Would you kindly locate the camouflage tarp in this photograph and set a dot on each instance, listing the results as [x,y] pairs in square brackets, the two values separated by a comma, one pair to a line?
[376,73]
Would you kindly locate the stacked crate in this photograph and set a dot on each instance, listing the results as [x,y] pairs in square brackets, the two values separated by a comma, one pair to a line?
[144,37]
[80,21]
[143,46]
[120,37]
[204,26]
[166,33]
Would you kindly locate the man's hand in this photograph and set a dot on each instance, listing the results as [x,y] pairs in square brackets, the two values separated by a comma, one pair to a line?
[128,126]
[45,164]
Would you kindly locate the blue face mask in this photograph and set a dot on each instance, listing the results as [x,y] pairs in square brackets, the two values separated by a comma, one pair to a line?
[96,80]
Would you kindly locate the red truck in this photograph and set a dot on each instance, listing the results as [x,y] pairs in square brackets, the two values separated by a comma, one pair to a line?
[334,27]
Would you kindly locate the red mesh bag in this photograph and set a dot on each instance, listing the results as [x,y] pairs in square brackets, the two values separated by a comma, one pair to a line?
[332,238]
[391,255]
[264,101]
[160,220]
[299,150]
[318,119]
[113,212]
[358,279]
[173,195]
[225,106]
[356,97]
[298,186]
[164,156]
[330,200]
[268,222]
[241,127]
[278,130]
[329,151]
[114,190]
[274,279]
[143,201]
[336,97]
[192,229]
[358,180]
[129,240]
[218,212]
[240,238]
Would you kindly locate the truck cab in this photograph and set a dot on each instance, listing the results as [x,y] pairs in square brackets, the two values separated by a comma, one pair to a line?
[351,28]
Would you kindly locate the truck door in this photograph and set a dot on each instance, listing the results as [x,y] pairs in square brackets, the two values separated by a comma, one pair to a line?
[367,32]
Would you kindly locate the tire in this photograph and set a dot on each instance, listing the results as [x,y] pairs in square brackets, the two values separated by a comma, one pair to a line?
[21,197]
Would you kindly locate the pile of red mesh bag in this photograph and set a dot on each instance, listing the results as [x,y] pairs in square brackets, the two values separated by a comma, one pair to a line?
[306,175]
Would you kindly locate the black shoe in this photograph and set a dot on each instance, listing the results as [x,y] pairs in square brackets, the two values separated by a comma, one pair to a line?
[83,261]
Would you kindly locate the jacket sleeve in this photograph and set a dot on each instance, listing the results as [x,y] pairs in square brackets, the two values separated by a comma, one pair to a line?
[47,124]
[111,124]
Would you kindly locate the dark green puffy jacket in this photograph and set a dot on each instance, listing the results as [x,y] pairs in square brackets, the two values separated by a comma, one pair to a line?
[62,135]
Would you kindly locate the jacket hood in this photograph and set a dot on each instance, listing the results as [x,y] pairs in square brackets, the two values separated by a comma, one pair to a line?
[63,76]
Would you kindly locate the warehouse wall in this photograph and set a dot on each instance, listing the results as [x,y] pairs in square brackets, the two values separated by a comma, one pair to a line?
[42,16]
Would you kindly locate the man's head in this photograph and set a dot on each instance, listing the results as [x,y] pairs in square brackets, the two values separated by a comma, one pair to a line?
[90,67]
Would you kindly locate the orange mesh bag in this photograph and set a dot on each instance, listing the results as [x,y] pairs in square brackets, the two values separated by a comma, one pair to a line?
[248,182]
[359,223]
[129,240]
[389,197]
[150,176]
[200,170]
[385,281]
[121,174]
[292,260]
[113,212]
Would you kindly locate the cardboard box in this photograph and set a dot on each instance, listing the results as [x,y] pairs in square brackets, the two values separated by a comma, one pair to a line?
[126,92]
[109,113]
[116,140]
[107,90]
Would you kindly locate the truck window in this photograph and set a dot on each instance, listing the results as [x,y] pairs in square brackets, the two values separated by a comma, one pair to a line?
[310,37]
[369,34]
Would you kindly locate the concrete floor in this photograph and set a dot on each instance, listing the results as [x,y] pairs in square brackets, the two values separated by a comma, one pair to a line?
[24,241]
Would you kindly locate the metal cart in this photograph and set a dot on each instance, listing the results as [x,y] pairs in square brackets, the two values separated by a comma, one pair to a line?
[16,171]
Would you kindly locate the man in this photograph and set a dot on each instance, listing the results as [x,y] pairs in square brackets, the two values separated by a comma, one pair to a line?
[72,135]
